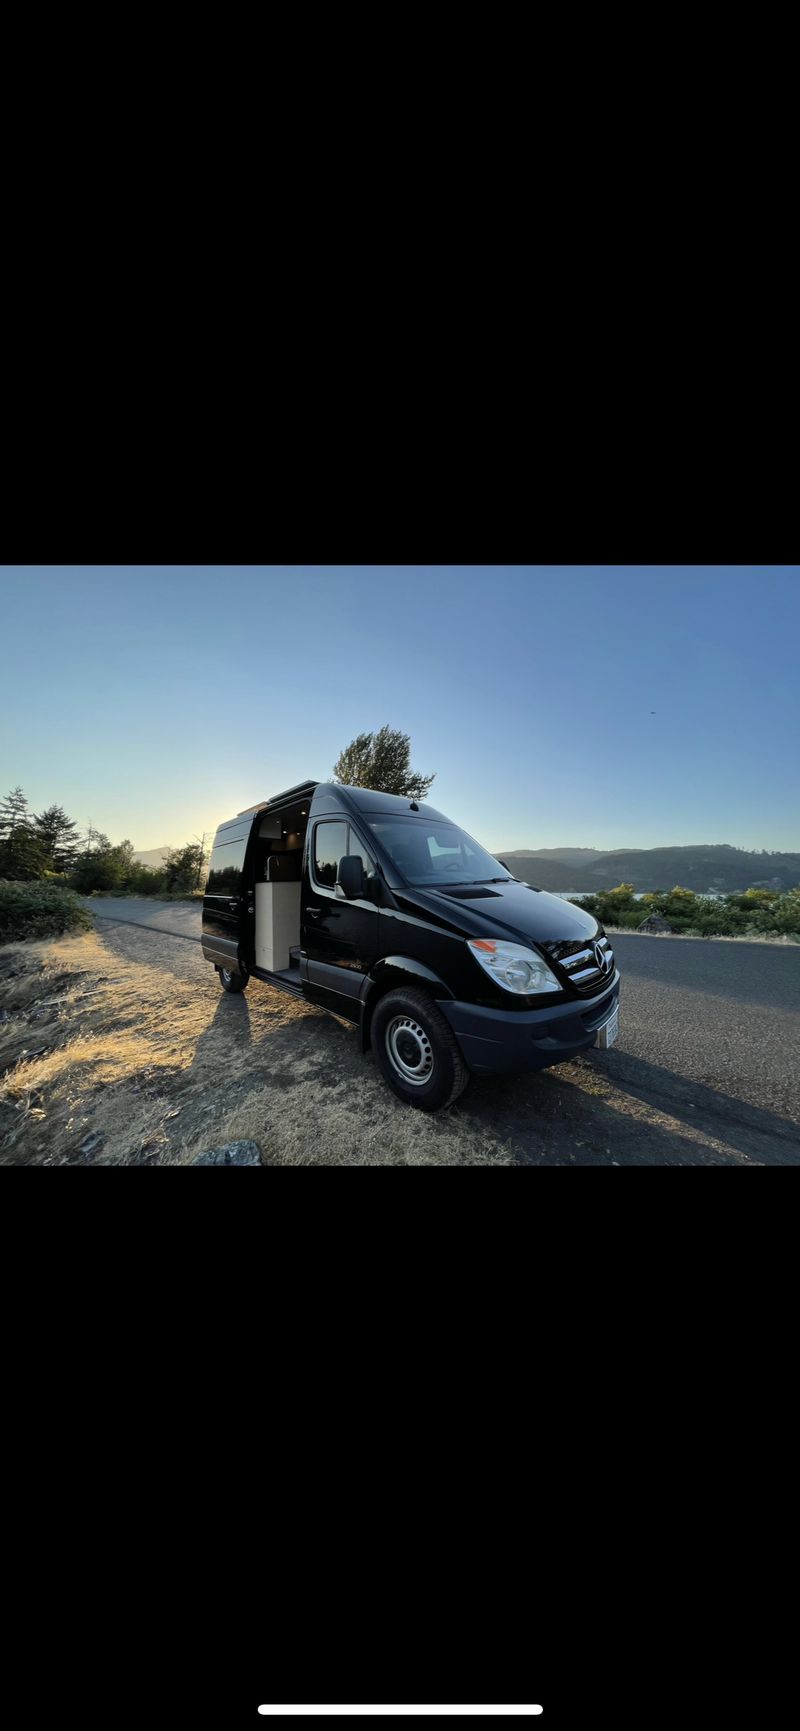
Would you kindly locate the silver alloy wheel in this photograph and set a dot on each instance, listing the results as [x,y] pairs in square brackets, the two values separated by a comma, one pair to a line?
[410,1051]
[226,974]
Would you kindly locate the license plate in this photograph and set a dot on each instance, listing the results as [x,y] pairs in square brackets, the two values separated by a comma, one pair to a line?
[608,1031]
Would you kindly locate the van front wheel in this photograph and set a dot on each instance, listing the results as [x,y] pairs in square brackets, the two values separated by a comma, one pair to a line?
[231,982]
[417,1050]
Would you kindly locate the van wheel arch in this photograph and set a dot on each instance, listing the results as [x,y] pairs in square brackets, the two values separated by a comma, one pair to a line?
[391,979]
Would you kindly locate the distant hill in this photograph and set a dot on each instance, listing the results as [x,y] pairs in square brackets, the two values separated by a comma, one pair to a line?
[570,855]
[707,867]
[155,856]
[548,873]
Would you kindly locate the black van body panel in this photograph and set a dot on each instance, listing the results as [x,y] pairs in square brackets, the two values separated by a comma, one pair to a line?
[339,938]
[351,951]
[493,1040]
[225,900]
[391,971]
[413,969]
[508,910]
[365,800]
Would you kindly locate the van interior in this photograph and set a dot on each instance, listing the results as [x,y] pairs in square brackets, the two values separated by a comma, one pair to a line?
[280,837]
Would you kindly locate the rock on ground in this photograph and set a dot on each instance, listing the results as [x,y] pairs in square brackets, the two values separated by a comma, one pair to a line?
[230,1154]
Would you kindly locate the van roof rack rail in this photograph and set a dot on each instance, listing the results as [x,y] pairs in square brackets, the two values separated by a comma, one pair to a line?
[303,790]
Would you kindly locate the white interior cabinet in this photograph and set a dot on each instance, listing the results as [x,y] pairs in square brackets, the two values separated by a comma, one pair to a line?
[277,924]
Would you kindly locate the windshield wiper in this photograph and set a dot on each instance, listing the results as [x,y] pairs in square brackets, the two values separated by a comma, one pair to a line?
[455,883]
[463,883]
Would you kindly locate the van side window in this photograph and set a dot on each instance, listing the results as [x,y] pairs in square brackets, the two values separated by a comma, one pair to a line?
[330,845]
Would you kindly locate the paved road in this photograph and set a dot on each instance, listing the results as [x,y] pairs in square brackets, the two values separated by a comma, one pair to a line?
[183,919]
[706,1070]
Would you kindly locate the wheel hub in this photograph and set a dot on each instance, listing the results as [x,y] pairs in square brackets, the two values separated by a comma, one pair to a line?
[409,1050]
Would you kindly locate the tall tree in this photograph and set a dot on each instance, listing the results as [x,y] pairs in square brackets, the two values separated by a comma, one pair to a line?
[92,868]
[381,761]
[21,853]
[13,811]
[57,834]
[184,867]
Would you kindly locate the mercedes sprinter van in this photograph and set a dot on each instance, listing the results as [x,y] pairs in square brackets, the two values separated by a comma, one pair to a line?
[383,911]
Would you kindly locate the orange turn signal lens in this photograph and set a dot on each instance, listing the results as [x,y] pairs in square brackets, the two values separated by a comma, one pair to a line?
[483,944]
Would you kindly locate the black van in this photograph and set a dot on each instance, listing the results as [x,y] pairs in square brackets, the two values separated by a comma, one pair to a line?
[385,912]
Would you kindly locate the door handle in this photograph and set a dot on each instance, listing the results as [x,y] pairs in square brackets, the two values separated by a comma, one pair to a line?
[314,912]
[233,904]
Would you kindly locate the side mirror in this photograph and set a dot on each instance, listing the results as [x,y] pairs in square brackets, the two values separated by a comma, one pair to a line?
[350,877]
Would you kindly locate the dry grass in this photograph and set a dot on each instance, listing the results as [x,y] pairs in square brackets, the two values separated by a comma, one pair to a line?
[107,1061]
[354,1122]
[118,1048]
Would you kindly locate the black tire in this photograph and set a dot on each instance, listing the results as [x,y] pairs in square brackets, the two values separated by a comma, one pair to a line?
[409,1032]
[231,982]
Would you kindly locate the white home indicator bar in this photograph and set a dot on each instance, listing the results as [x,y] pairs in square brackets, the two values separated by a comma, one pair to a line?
[484,1712]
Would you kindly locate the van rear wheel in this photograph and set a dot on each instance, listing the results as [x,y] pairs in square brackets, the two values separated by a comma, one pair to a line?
[417,1051]
[231,982]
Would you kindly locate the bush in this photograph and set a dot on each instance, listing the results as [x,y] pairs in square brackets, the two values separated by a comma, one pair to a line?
[38,910]
[753,913]
[184,869]
[114,871]
[145,880]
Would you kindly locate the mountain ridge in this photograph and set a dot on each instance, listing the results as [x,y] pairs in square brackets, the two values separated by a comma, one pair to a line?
[154,856]
[716,867]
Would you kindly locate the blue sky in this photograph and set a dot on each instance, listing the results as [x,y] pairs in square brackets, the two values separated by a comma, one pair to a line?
[159,700]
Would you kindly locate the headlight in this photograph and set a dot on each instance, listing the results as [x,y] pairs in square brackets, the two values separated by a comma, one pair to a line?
[513,967]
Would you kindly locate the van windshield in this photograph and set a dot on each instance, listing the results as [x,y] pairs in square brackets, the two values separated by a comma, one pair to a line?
[429,855]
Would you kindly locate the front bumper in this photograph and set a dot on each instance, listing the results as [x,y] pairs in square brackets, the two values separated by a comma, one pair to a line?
[528,1039]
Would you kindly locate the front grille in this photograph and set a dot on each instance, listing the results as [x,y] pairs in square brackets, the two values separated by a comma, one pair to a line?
[580,964]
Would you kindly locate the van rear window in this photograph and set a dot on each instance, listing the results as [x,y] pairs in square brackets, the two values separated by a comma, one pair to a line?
[225,867]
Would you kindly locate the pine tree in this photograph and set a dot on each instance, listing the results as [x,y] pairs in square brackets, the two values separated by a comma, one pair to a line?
[13,811]
[21,853]
[57,834]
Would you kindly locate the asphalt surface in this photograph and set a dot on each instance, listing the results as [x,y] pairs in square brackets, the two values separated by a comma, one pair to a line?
[181,919]
[705,1070]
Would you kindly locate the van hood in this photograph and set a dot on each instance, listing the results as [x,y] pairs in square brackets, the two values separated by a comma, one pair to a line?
[508,910]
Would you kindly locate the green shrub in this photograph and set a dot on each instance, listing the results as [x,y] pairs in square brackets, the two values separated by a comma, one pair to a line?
[38,910]
[753,913]
[145,880]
